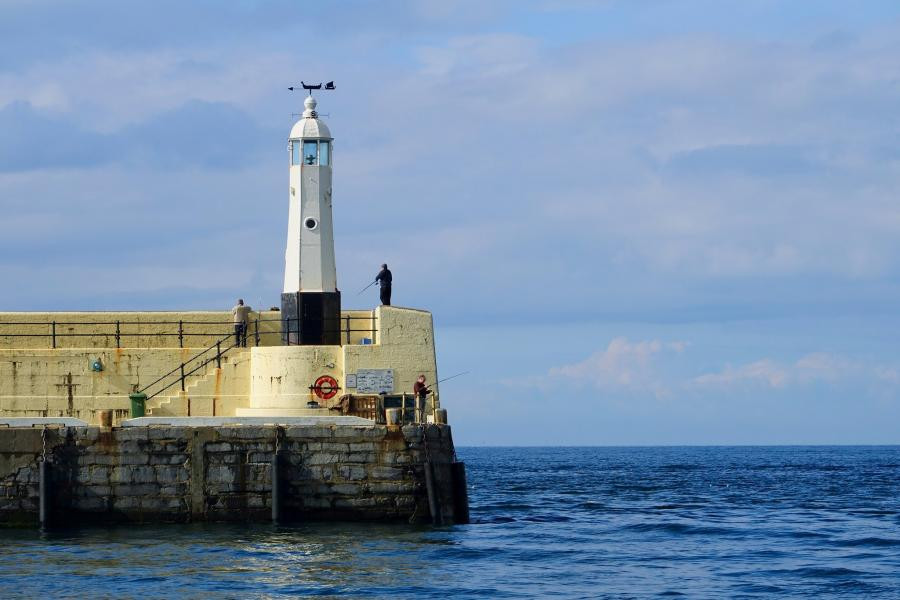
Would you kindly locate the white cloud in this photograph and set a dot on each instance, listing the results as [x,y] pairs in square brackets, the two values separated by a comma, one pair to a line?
[763,371]
[622,364]
[812,368]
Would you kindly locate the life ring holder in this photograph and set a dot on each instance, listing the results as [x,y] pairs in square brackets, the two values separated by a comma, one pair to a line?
[326,387]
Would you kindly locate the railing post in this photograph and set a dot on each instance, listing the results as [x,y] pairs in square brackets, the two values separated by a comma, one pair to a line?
[53,333]
[256,334]
[219,355]
[348,330]
[182,377]
[118,335]
[180,334]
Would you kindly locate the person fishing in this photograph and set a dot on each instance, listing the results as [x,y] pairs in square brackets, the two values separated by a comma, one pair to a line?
[384,279]
[420,390]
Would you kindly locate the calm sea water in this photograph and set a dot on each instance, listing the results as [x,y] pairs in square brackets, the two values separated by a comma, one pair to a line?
[547,522]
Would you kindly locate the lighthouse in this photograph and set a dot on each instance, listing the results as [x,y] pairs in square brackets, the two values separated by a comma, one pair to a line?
[310,302]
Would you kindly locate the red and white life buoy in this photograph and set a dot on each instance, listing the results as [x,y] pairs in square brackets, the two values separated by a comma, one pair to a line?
[325,387]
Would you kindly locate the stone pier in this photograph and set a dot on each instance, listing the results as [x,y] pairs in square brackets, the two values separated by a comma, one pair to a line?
[224,473]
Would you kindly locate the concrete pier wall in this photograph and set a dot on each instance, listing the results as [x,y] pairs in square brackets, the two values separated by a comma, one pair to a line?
[180,474]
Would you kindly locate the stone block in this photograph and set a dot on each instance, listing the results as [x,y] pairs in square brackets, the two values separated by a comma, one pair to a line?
[247,432]
[257,501]
[323,458]
[143,474]
[86,436]
[392,487]
[25,474]
[362,447]
[346,489]
[135,458]
[413,433]
[405,501]
[125,434]
[168,432]
[96,490]
[361,457]
[259,446]
[98,459]
[220,474]
[168,475]
[99,476]
[354,502]
[168,459]
[178,489]
[352,473]
[142,489]
[219,447]
[335,447]
[259,457]
[395,458]
[387,473]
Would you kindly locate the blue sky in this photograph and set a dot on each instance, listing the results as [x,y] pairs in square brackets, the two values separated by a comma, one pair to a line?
[647,222]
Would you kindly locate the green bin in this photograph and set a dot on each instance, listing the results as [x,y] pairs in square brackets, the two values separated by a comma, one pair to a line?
[138,399]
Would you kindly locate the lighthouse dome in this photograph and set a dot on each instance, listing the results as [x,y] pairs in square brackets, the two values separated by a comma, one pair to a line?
[310,126]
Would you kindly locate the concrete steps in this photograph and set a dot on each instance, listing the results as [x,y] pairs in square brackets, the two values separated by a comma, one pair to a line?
[207,385]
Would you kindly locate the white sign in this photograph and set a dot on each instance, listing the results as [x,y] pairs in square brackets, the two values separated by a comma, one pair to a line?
[375,381]
[350,380]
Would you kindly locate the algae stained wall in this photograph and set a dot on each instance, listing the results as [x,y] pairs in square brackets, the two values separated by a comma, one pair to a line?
[156,474]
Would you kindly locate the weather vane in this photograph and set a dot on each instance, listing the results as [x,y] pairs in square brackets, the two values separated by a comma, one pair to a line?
[310,87]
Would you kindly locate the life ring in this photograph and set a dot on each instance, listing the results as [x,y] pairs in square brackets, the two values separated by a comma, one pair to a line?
[326,387]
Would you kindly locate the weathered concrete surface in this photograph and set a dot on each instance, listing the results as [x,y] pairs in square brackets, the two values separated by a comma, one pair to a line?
[37,380]
[176,474]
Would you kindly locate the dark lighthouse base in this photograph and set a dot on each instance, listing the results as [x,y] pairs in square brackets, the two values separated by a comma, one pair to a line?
[311,318]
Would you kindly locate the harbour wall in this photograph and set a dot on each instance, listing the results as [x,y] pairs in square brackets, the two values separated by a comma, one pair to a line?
[40,380]
[224,473]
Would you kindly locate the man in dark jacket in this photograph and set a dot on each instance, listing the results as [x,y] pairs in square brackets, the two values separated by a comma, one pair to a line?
[384,280]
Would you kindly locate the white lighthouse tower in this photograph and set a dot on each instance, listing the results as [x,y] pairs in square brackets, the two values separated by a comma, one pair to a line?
[311,302]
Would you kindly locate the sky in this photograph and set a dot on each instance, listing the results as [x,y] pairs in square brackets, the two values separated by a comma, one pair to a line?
[635,223]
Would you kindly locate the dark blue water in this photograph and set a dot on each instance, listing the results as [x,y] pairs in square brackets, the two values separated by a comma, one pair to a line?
[564,522]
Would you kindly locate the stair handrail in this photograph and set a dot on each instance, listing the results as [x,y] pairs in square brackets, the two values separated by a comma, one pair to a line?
[183,375]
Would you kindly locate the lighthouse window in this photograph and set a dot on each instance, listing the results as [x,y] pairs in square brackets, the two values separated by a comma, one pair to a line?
[324,148]
[295,153]
[311,223]
[310,153]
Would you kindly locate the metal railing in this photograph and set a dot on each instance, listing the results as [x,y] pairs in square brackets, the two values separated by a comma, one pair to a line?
[179,374]
[120,330]
[343,331]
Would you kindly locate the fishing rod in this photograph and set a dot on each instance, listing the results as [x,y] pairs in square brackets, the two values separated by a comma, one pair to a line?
[367,287]
[451,377]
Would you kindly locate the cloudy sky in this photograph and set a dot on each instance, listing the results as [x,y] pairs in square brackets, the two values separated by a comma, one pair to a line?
[657,222]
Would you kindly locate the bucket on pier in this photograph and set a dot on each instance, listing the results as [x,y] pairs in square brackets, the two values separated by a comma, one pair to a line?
[138,400]
[440,416]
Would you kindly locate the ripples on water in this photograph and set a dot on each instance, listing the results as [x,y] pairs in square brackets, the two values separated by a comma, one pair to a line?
[565,522]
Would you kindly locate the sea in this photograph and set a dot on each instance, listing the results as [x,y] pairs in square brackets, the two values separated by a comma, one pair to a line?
[598,522]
